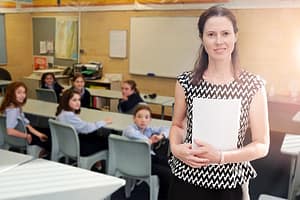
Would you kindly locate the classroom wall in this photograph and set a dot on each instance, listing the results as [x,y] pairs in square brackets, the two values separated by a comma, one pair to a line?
[269,45]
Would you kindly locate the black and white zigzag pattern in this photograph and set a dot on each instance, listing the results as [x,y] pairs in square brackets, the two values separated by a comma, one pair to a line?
[227,175]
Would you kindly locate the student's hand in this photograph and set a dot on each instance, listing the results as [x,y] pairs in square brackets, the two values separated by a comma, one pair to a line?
[28,138]
[186,154]
[43,137]
[155,138]
[108,120]
[207,151]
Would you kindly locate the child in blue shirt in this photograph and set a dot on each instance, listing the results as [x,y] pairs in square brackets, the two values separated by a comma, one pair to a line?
[67,112]
[142,130]
[14,99]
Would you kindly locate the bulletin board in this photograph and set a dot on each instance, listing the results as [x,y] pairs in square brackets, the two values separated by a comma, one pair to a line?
[163,46]
[44,29]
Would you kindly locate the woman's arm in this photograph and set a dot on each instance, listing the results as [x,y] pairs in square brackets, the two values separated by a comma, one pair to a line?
[180,150]
[32,130]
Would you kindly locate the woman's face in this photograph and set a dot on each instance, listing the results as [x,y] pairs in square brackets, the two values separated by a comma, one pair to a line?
[49,80]
[142,118]
[74,102]
[219,38]
[78,83]
[20,94]
[126,90]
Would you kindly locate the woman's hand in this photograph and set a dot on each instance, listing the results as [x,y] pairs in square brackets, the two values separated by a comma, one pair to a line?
[208,152]
[189,156]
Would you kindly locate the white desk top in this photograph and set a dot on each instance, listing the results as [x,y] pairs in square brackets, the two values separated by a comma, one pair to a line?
[43,179]
[120,121]
[291,144]
[4,82]
[10,159]
[114,94]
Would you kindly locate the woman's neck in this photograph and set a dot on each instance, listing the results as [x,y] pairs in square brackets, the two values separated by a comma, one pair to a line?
[219,72]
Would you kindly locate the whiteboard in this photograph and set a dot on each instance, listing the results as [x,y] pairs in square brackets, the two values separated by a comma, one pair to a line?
[163,46]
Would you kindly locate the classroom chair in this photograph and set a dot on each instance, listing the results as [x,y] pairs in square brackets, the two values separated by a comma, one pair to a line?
[5,75]
[65,142]
[46,95]
[291,146]
[131,159]
[8,141]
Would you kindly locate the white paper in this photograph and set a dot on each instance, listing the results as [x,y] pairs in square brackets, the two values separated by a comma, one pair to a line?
[117,43]
[43,47]
[216,121]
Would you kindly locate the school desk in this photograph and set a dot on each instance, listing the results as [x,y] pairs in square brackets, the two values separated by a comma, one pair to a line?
[3,85]
[120,121]
[114,94]
[43,179]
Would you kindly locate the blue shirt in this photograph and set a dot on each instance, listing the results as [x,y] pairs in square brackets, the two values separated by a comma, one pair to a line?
[134,132]
[12,116]
[80,126]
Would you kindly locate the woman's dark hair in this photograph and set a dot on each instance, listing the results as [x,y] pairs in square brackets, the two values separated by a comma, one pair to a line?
[44,76]
[64,101]
[10,96]
[201,63]
[133,86]
[142,106]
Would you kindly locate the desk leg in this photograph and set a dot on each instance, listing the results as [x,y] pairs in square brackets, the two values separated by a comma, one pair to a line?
[294,182]
[162,112]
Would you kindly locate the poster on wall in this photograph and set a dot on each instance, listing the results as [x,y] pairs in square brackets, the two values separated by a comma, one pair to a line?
[40,62]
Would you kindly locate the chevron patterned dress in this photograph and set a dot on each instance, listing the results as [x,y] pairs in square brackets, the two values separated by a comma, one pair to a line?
[229,175]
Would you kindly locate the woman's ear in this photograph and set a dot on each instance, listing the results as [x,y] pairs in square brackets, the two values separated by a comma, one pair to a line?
[236,37]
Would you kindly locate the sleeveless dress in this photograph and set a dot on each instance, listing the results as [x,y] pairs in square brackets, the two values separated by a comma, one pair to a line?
[228,175]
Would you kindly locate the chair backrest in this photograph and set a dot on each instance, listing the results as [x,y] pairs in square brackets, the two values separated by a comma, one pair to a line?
[46,95]
[12,140]
[5,75]
[65,136]
[129,157]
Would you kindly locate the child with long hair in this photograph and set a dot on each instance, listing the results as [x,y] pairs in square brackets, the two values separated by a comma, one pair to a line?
[15,98]
[90,139]
[48,81]
[78,84]
[130,97]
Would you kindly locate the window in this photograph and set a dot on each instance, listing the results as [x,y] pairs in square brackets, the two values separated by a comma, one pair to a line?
[3,56]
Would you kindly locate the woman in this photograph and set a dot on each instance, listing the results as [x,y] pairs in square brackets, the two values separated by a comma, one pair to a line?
[15,98]
[130,97]
[205,171]
[78,83]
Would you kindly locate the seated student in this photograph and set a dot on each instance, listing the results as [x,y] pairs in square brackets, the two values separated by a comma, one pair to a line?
[14,99]
[48,81]
[78,83]
[130,97]
[90,138]
[142,130]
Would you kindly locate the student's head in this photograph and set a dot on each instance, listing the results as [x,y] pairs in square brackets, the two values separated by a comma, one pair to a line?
[142,115]
[218,30]
[15,95]
[69,101]
[129,87]
[78,82]
[48,78]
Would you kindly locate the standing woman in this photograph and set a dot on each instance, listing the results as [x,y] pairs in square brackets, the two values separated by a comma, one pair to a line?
[206,172]
[48,81]
[14,99]
[78,83]
[130,97]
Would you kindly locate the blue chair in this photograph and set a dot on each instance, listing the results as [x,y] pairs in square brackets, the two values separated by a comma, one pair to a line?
[65,142]
[131,159]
